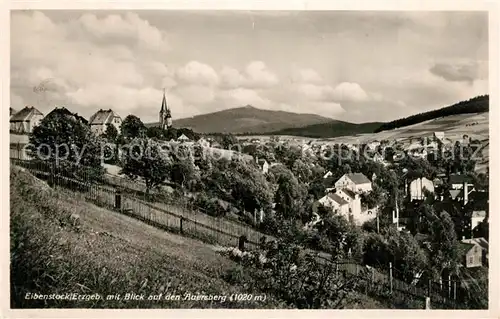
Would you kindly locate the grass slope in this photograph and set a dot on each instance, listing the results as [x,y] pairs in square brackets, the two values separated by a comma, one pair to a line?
[248,119]
[107,253]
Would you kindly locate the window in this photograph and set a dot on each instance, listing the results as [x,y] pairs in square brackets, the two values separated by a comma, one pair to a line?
[471,259]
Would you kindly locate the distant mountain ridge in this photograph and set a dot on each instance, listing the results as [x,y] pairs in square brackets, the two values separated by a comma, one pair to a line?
[477,104]
[248,119]
[254,121]
[330,129]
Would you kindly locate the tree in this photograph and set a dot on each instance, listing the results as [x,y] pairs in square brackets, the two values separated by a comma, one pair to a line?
[132,127]
[143,159]
[289,197]
[443,247]
[228,141]
[111,133]
[155,132]
[66,144]
[183,174]
[301,170]
[248,186]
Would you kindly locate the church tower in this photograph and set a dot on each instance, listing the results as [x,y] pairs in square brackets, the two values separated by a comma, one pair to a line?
[165,115]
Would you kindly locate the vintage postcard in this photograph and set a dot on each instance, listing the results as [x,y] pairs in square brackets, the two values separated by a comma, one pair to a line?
[249,158]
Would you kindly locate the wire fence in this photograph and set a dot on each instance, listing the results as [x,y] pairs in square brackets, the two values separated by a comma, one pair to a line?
[115,195]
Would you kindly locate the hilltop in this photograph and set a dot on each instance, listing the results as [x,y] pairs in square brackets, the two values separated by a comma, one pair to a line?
[335,128]
[248,119]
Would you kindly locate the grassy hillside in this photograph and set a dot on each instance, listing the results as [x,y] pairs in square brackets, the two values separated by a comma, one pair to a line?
[475,105]
[248,119]
[331,129]
[104,253]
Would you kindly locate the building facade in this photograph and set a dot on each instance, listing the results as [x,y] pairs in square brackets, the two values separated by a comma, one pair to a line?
[25,120]
[100,120]
[356,182]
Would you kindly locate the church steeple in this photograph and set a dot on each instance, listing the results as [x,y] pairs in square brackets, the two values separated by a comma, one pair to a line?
[165,116]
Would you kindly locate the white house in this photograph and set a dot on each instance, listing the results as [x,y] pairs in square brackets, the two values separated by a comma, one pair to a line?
[25,120]
[418,186]
[183,138]
[336,203]
[477,217]
[263,165]
[438,136]
[356,182]
[100,120]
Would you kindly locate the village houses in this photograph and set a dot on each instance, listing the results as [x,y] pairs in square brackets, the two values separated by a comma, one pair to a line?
[25,120]
[356,182]
[98,121]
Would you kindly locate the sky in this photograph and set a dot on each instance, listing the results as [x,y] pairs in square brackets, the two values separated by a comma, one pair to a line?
[356,66]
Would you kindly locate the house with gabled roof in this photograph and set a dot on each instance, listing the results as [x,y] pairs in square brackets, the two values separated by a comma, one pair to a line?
[183,138]
[98,121]
[62,111]
[356,182]
[335,203]
[474,252]
[25,120]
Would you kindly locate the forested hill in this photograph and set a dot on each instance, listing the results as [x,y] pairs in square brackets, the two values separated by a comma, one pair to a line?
[475,105]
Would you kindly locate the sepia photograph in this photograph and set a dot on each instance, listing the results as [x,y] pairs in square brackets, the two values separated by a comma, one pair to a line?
[249,159]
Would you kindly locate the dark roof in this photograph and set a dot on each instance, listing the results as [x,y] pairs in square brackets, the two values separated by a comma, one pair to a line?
[102,117]
[358,178]
[337,199]
[349,193]
[460,179]
[65,112]
[480,241]
[464,248]
[25,114]
[12,111]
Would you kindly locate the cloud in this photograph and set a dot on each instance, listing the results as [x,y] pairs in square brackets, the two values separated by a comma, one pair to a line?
[256,75]
[242,96]
[128,26]
[343,92]
[198,73]
[460,72]
[348,91]
[306,76]
[195,94]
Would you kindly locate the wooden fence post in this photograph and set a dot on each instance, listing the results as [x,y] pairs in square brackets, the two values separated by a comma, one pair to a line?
[118,200]
[373,276]
[454,290]
[390,276]
[449,286]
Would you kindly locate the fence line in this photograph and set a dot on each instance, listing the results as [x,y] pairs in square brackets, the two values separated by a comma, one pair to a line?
[217,230]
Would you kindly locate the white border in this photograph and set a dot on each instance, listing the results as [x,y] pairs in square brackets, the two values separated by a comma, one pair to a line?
[375,5]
